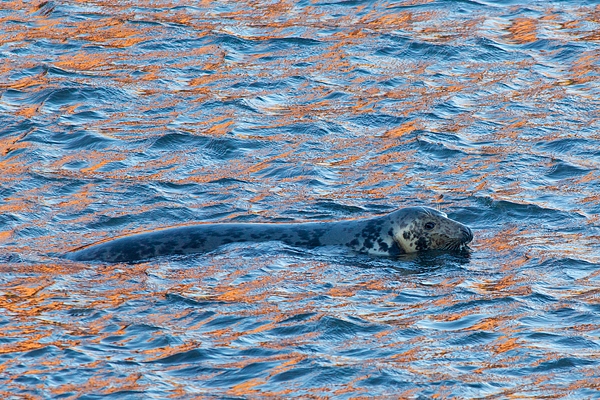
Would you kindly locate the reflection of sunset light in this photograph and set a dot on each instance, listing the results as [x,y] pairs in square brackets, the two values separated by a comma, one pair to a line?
[120,117]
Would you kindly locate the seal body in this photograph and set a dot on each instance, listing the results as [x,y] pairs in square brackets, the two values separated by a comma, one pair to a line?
[407,230]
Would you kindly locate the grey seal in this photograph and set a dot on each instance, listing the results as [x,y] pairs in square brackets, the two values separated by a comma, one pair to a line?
[406,230]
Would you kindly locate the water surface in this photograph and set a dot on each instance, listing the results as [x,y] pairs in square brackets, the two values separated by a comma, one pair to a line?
[122,116]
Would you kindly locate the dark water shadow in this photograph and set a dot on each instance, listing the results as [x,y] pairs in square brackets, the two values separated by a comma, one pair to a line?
[405,264]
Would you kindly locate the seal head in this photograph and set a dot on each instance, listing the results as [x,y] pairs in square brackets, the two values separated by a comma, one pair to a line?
[424,228]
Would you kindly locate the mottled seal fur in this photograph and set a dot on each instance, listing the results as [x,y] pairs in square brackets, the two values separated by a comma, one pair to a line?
[407,230]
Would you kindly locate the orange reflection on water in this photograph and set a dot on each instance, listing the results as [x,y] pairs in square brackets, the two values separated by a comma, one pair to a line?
[363,164]
[26,82]
[523,30]
[103,386]
[86,61]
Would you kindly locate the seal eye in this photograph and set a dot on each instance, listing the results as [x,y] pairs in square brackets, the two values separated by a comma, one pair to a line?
[429,226]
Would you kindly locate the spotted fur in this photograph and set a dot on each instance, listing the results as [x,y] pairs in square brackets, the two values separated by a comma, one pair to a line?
[407,230]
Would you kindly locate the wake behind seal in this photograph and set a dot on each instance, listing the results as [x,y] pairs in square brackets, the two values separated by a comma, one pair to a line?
[407,230]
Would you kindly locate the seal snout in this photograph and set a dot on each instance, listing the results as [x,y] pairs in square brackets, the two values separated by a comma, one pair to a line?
[467,234]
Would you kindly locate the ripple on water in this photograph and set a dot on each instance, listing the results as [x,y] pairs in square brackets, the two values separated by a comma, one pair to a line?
[120,117]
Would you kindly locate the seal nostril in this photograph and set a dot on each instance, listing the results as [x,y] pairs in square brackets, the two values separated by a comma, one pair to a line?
[467,233]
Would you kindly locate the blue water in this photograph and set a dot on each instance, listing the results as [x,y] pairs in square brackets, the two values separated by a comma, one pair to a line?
[119,117]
